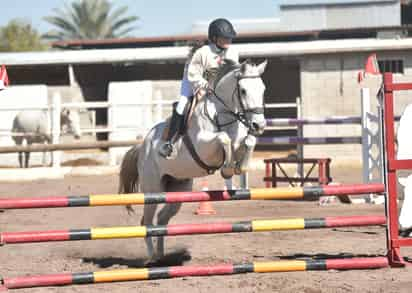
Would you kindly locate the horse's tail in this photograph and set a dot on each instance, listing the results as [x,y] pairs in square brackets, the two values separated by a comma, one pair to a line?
[129,175]
[16,128]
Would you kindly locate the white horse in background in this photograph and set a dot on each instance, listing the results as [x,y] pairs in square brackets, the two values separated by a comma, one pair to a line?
[404,152]
[221,134]
[33,127]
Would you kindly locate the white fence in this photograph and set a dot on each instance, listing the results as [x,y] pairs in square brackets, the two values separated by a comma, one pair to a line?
[131,113]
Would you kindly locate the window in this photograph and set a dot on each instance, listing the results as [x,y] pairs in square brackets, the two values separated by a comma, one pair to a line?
[394,66]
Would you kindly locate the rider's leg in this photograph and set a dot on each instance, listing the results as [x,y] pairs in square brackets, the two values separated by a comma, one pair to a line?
[175,129]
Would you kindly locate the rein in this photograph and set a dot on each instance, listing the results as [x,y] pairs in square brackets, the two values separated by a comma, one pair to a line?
[240,115]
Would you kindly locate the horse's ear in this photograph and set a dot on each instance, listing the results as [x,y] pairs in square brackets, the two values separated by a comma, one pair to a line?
[261,67]
[243,66]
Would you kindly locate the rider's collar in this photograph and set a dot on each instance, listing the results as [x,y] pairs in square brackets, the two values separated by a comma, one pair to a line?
[216,48]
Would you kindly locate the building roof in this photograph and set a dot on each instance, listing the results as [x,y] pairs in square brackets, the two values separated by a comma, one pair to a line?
[250,37]
[164,54]
[329,2]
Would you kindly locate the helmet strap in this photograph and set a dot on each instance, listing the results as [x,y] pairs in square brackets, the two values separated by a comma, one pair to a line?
[217,48]
[220,48]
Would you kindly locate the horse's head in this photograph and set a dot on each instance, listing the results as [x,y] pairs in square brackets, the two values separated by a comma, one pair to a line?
[241,89]
[70,122]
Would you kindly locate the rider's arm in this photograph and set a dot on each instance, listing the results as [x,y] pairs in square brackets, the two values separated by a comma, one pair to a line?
[196,70]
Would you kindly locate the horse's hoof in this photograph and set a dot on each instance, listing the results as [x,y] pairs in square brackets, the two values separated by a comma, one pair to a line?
[241,168]
[405,232]
[151,261]
[227,173]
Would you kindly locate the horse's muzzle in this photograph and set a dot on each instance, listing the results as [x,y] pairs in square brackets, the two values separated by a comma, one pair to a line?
[257,128]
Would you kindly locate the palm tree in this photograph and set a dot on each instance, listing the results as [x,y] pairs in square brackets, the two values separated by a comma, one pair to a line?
[90,19]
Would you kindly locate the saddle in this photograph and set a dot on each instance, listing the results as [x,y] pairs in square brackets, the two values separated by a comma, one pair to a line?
[187,113]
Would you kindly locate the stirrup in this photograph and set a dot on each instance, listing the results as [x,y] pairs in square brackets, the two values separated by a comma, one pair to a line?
[166,149]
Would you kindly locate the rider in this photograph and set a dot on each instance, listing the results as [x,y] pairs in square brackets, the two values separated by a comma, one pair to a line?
[205,60]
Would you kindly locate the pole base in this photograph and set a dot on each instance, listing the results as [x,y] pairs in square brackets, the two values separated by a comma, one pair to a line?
[205,208]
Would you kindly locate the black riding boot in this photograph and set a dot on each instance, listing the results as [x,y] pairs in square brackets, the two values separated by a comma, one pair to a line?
[175,130]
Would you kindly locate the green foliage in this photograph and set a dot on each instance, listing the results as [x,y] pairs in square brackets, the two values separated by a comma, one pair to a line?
[20,36]
[90,19]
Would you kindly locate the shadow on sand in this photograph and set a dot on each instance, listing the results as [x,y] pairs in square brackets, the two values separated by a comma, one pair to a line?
[175,258]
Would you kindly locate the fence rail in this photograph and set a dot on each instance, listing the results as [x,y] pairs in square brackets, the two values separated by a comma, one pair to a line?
[69,146]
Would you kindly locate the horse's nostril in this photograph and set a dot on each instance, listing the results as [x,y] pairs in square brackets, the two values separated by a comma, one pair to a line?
[255,126]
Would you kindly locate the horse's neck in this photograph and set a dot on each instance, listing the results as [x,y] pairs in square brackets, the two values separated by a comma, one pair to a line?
[205,114]
[201,118]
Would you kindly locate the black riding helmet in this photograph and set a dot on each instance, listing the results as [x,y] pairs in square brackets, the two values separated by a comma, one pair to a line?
[221,28]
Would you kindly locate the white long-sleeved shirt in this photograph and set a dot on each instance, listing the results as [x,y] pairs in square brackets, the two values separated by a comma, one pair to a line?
[207,58]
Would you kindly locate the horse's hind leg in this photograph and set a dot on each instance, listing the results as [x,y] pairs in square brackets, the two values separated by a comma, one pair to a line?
[20,156]
[18,140]
[170,210]
[26,159]
[150,183]
[147,219]
[44,159]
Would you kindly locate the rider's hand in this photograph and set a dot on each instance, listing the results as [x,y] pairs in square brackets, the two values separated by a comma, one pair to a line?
[209,91]
[200,93]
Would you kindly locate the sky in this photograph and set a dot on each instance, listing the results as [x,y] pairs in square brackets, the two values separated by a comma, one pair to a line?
[157,17]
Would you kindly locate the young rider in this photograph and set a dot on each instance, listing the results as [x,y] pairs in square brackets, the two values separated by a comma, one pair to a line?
[194,83]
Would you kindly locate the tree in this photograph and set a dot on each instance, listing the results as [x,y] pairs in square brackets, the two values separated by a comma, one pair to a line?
[90,19]
[18,36]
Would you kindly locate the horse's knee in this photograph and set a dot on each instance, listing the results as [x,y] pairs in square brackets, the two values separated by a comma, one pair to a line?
[250,142]
[167,213]
[224,138]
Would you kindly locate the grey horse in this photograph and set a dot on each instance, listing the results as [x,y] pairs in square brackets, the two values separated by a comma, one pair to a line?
[221,134]
[33,126]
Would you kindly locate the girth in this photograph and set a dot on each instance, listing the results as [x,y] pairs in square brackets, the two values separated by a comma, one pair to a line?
[189,145]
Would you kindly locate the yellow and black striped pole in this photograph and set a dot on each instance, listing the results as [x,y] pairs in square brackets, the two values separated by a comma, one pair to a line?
[185,271]
[189,229]
[311,192]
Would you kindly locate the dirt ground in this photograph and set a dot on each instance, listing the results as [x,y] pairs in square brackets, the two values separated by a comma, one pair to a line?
[84,256]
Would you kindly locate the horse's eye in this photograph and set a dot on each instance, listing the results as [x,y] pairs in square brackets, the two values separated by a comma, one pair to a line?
[243,92]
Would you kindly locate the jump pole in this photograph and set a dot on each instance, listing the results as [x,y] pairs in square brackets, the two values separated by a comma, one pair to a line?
[189,229]
[280,193]
[189,271]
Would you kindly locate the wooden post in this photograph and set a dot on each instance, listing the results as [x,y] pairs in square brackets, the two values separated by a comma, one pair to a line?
[158,106]
[366,136]
[55,128]
[300,167]
[113,128]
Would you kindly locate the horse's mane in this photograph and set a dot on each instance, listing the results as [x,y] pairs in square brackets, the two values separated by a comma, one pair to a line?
[227,66]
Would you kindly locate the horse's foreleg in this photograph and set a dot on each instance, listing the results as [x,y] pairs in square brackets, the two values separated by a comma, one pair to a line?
[163,218]
[227,170]
[245,154]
